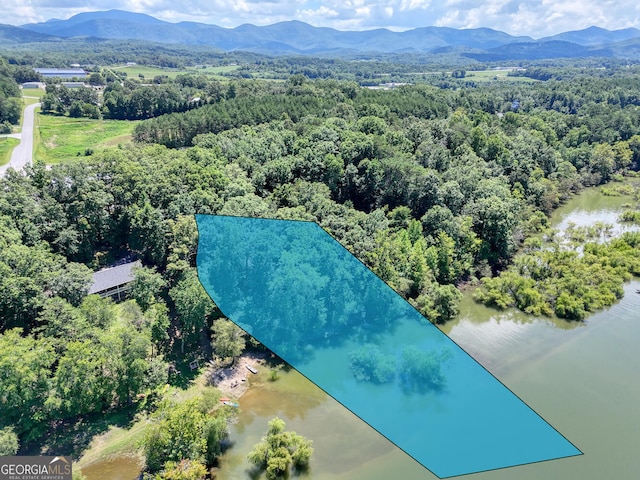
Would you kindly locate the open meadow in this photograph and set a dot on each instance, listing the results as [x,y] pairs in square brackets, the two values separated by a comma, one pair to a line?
[495,75]
[148,73]
[59,138]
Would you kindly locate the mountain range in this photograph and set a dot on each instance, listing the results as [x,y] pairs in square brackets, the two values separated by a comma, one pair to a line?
[294,37]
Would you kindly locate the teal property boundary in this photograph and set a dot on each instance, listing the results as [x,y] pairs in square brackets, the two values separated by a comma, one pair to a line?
[305,297]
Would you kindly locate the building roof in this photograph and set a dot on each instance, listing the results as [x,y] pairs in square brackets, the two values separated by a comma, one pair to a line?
[112,277]
[61,71]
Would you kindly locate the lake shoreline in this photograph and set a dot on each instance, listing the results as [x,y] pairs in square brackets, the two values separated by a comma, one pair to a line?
[234,380]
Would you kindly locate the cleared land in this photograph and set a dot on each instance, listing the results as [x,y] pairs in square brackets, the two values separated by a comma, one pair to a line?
[117,440]
[214,72]
[493,75]
[134,71]
[59,138]
[30,93]
[6,147]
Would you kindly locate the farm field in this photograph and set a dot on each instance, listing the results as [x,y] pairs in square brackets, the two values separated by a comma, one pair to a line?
[32,94]
[59,138]
[493,75]
[134,71]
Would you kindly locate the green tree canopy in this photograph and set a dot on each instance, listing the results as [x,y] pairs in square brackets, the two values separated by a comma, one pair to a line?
[9,443]
[228,340]
[279,450]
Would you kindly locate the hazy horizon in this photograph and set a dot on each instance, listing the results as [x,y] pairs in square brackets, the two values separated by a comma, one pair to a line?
[536,19]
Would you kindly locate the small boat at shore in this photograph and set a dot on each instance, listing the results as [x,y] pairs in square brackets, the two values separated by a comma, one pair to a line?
[229,403]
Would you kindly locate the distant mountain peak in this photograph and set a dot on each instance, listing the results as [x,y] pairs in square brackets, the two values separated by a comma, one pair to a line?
[116,13]
[295,36]
[594,35]
[79,18]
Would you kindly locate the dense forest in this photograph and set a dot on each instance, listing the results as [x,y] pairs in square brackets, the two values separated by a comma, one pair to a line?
[365,68]
[9,105]
[431,187]
[128,99]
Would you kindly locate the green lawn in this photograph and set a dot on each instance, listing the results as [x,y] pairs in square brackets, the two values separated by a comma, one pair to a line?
[6,147]
[495,75]
[134,71]
[214,72]
[58,138]
[33,92]
[30,100]
[117,440]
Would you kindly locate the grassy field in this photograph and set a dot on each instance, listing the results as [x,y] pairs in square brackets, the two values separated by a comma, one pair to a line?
[32,94]
[117,440]
[58,138]
[214,72]
[134,71]
[493,75]
[6,147]
[30,100]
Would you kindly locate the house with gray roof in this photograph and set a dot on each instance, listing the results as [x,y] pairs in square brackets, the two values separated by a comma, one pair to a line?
[61,72]
[114,282]
[33,85]
[74,84]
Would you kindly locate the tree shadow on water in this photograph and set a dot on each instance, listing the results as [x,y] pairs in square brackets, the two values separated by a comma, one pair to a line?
[421,372]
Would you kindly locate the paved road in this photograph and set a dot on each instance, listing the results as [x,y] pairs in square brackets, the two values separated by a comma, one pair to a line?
[23,154]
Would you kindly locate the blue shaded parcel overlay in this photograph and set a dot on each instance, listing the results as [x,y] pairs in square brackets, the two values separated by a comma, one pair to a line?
[305,297]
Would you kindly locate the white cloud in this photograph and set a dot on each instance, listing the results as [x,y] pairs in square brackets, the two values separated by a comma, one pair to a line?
[413,4]
[536,18]
[315,16]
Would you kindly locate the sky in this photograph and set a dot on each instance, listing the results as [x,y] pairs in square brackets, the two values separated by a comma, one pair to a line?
[535,18]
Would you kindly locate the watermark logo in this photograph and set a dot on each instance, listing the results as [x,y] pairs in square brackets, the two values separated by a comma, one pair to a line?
[35,468]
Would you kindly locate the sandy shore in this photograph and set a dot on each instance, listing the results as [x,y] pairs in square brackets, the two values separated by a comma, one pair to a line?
[233,381]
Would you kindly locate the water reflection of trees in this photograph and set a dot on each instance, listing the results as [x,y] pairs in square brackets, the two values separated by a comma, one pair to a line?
[370,364]
[295,289]
[416,370]
[421,371]
[291,285]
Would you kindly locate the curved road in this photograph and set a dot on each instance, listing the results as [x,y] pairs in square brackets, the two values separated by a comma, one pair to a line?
[22,155]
